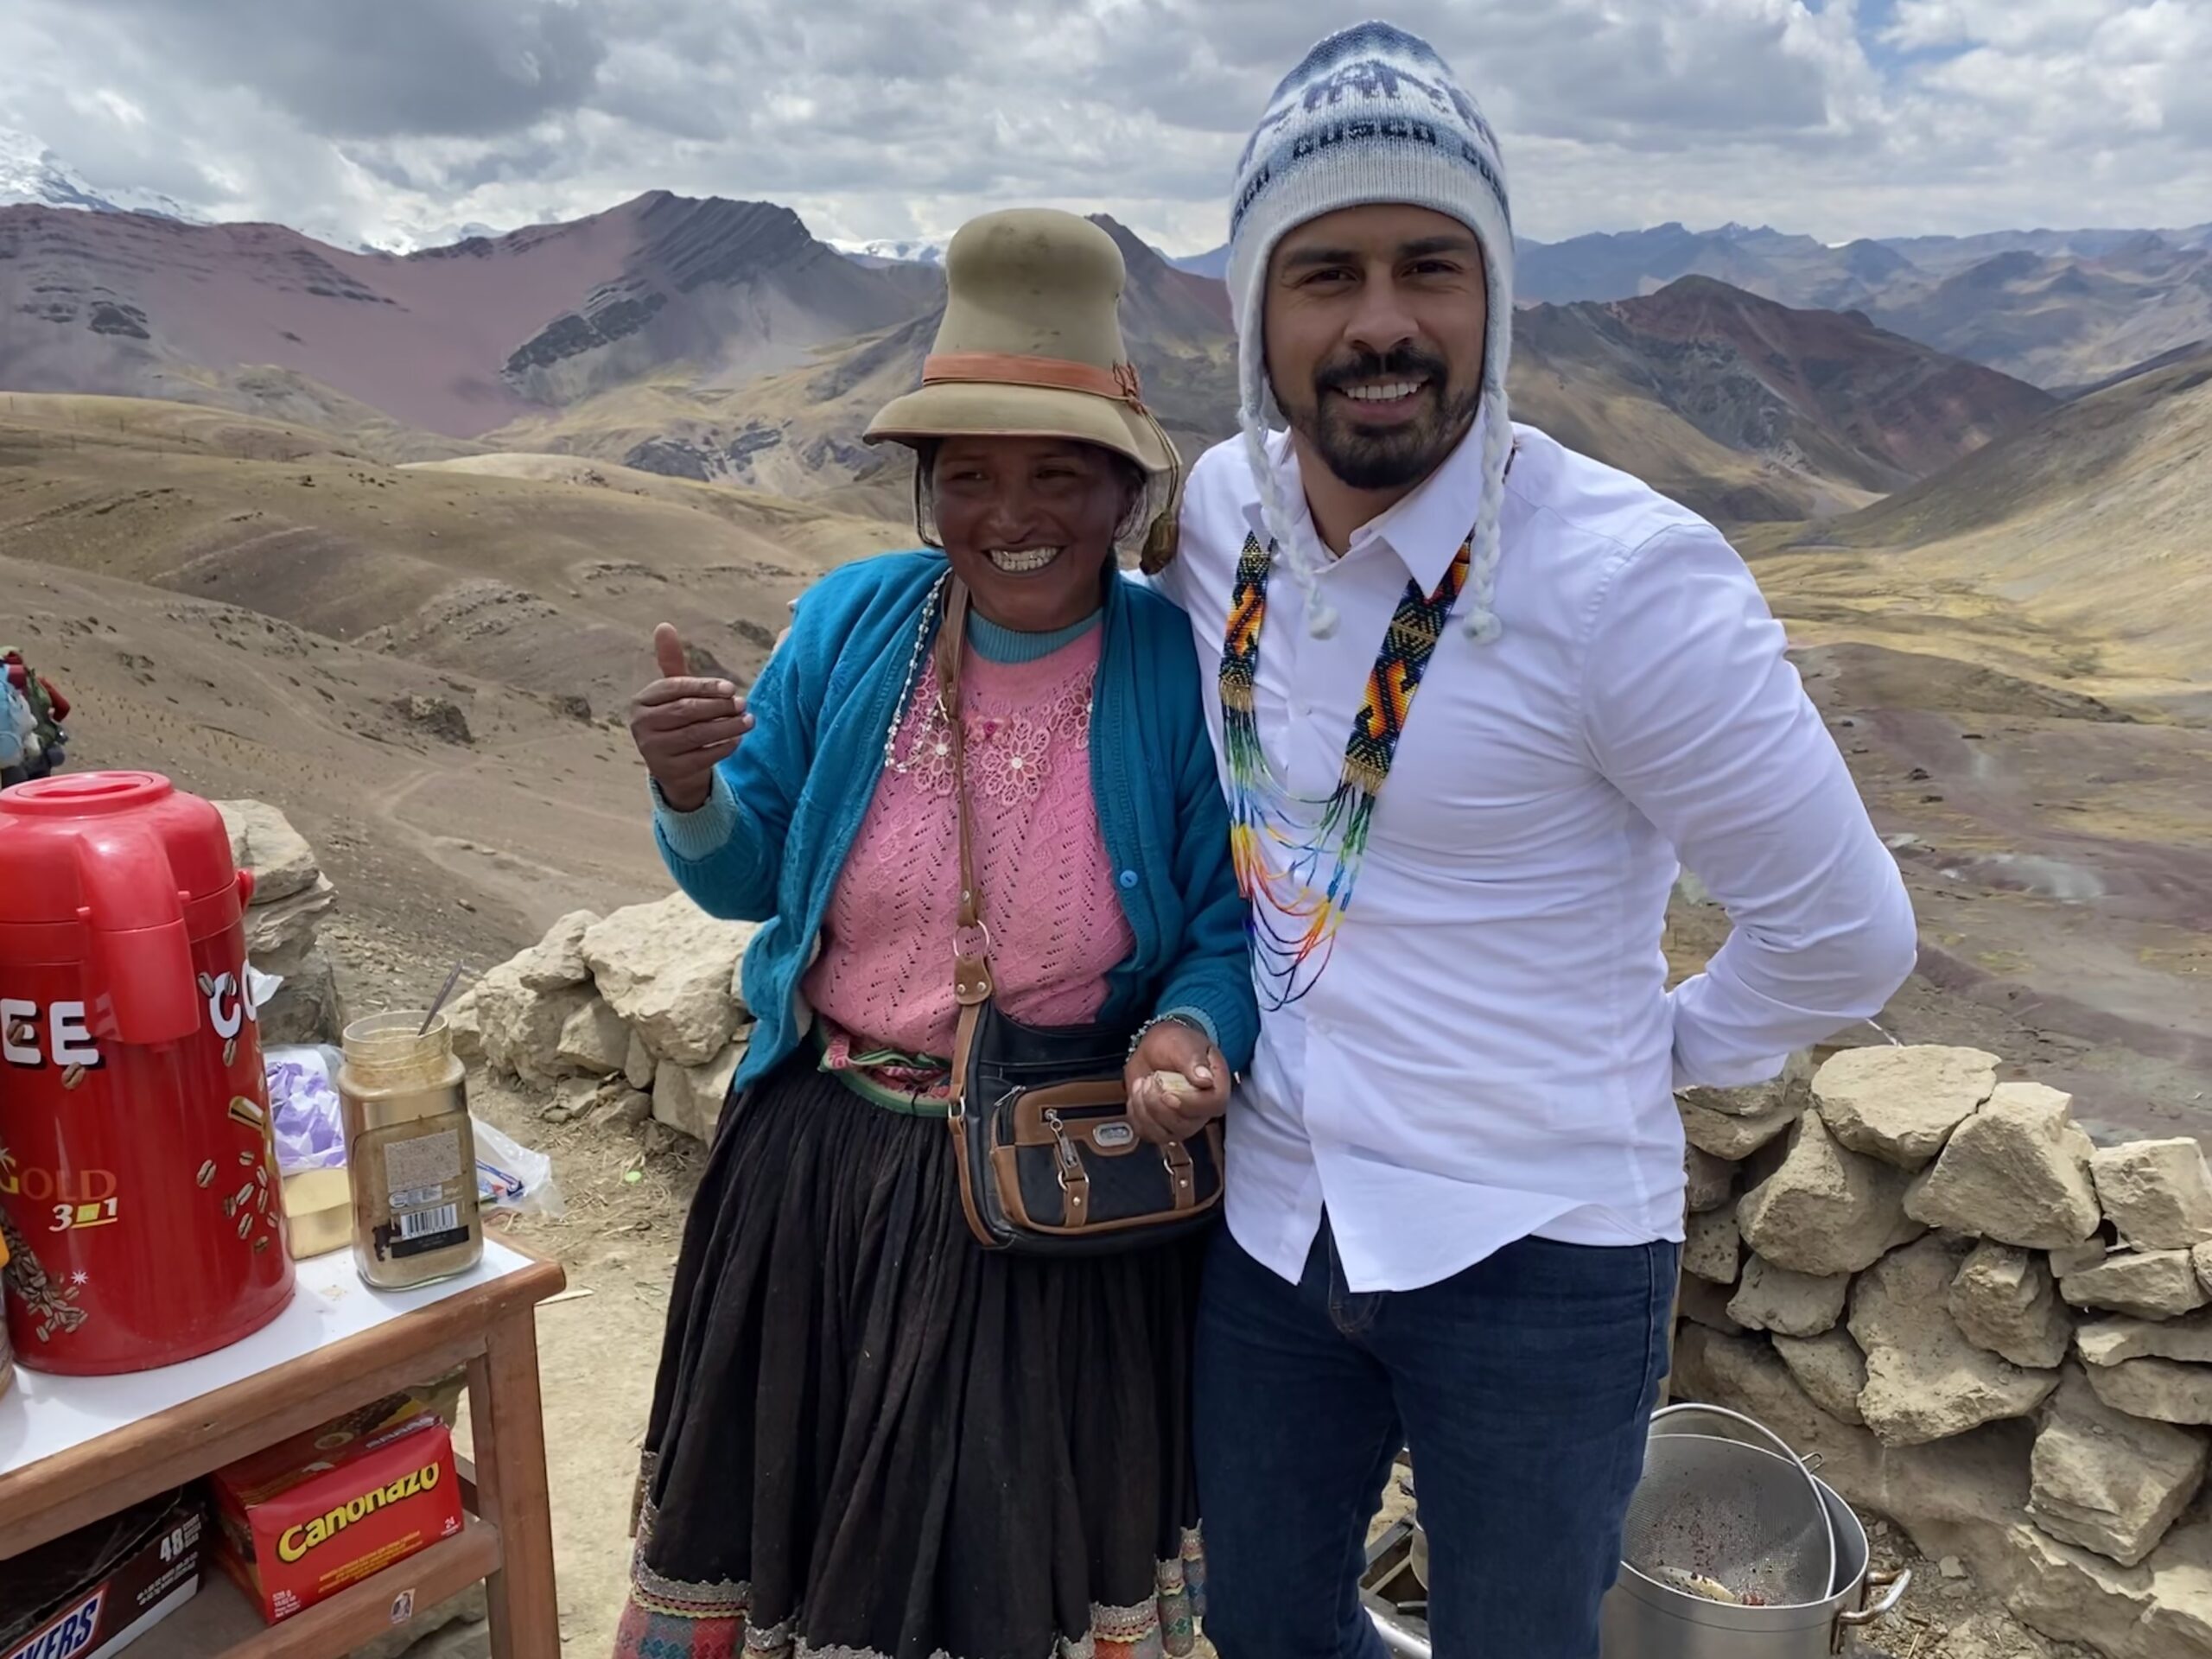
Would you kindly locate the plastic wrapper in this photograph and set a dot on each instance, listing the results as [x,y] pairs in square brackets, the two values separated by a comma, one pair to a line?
[303,1107]
[510,1176]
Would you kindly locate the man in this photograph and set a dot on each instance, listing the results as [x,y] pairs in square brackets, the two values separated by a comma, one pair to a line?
[1455,1183]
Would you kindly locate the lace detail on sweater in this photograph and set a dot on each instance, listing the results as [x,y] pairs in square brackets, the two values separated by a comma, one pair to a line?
[884,978]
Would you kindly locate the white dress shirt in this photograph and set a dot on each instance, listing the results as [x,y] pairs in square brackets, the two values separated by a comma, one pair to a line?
[1491,1053]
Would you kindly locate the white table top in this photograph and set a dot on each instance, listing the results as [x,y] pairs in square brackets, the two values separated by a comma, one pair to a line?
[44,1414]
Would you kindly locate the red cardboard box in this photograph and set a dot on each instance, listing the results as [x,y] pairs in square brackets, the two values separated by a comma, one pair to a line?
[317,1514]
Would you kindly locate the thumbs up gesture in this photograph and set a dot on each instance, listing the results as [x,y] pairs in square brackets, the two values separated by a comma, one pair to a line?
[684,726]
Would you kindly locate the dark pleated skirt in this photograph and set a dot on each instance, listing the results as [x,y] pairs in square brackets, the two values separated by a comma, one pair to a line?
[871,1437]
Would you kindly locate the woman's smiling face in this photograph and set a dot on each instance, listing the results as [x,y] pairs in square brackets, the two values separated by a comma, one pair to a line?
[1029,524]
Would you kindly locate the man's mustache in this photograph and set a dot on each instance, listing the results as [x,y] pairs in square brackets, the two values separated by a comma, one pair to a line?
[1404,363]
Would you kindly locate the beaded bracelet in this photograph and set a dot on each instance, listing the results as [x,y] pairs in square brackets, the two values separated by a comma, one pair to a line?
[1137,1041]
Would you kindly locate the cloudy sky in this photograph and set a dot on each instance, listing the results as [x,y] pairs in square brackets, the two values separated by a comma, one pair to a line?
[396,120]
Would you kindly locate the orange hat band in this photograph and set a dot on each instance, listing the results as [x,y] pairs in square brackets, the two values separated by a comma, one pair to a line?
[1010,369]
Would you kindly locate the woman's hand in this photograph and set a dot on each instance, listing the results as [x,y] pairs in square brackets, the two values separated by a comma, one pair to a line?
[685,727]
[1177,1081]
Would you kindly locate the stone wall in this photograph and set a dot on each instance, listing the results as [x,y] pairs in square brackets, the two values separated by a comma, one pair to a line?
[642,1004]
[290,896]
[1991,1331]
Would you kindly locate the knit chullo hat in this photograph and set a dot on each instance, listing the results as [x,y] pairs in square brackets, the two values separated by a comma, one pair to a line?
[1372,114]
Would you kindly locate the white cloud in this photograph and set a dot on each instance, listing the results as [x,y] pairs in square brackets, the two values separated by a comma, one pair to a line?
[875,120]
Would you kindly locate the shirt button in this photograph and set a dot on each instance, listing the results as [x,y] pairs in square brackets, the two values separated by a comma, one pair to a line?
[1128,879]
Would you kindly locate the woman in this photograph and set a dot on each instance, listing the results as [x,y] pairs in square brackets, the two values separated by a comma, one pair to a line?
[870,1436]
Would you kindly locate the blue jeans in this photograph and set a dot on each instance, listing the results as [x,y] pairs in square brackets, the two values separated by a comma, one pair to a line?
[1523,1387]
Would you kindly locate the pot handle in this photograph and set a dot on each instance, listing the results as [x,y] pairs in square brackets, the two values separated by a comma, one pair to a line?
[1894,1584]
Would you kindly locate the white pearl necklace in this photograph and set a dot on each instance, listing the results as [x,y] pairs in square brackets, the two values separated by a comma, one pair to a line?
[906,693]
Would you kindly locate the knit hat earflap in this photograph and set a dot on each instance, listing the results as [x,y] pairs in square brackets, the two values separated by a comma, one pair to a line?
[1371,115]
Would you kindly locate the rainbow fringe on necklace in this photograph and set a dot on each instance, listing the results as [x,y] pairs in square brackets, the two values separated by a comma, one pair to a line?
[1295,916]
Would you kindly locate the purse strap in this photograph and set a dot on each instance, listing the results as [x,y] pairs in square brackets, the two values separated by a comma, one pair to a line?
[972,938]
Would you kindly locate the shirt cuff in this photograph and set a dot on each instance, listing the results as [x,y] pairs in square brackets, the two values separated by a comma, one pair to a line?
[697,834]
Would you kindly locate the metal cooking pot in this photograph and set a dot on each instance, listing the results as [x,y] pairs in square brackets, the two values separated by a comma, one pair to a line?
[1644,1619]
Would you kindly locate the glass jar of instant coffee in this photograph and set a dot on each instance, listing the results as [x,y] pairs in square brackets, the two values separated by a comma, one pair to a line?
[411,1153]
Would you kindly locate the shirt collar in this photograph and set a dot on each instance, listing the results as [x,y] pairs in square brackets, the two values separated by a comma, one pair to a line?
[1425,529]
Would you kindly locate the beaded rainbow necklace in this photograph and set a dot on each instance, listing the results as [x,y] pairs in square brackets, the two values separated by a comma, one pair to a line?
[1295,916]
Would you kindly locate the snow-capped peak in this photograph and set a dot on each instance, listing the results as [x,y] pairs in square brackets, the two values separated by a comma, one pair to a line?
[913,251]
[29,172]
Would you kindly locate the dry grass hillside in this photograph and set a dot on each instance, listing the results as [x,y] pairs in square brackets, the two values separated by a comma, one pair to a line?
[551,584]
[1753,412]
[2092,518]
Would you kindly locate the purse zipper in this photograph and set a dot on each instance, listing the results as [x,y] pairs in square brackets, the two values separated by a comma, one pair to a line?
[1070,1164]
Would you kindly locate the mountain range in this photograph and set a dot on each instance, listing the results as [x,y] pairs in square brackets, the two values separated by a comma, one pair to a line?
[2064,310]
[720,340]
[29,172]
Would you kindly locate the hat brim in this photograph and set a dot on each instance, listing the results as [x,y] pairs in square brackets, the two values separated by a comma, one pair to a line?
[980,409]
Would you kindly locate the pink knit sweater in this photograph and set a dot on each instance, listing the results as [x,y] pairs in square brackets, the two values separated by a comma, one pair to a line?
[884,978]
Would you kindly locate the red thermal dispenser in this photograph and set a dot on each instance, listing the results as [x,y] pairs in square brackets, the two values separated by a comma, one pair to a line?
[138,1180]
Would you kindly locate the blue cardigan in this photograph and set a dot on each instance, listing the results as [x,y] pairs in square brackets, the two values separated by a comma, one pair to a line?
[795,791]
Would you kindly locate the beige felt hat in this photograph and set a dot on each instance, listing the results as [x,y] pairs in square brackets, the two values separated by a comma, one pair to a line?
[1031,346]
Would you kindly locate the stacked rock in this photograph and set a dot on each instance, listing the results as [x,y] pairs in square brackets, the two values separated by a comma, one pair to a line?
[647,996]
[291,895]
[1897,1251]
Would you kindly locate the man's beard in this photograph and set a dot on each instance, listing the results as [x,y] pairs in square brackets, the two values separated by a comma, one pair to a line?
[1368,457]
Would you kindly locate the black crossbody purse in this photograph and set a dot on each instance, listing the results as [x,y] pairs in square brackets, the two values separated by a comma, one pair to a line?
[1049,1160]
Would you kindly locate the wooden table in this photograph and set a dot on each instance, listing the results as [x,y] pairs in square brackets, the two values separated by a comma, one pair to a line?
[73,1450]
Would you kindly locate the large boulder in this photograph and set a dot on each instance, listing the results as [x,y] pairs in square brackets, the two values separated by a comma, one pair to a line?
[1703,1302]
[264,842]
[290,897]
[1789,1093]
[286,926]
[2165,1390]
[2018,1171]
[2150,1285]
[1731,1136]
[668,969]
[594,1042]
[2075,1257]
[1831,1369]
[689,1098]
[2159,1194]
[1924,1380]
[307,1008]
[1712,1181]
[520,1029]
[1825,1210]
[1789,1304]
[466,1022]
[2109,1342]
[1712,1249]
[1901,1105]
[2107,1481]
[2004,1299]
[556,962]
[637,1064]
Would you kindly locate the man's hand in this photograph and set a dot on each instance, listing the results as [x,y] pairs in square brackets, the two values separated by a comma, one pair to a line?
[684,727]
[1177,1082]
